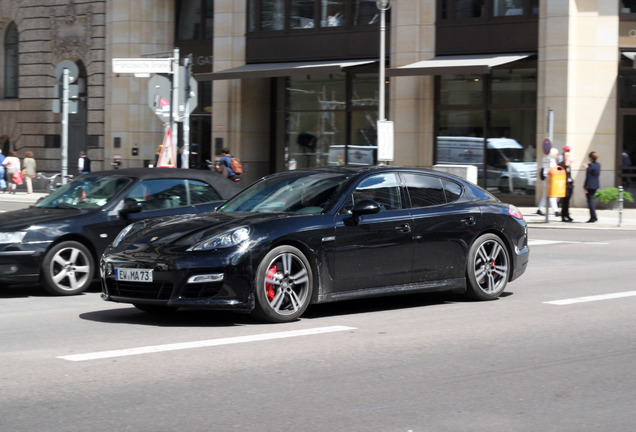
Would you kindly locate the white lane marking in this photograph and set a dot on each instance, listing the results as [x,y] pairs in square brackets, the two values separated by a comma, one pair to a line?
[539,242]
[592,298]
[203,343]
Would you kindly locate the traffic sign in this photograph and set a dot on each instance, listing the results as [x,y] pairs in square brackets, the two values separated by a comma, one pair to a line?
[73,70]
[160,96]
[547,146]
[142,65]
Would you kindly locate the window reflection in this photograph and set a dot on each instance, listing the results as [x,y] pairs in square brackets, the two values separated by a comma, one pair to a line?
[332,13]
[272,15]
[628,6]
[469,8]
[507,7]
[365,12]
[302,14]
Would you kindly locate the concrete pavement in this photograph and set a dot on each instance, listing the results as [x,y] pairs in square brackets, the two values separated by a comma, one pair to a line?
[607,219]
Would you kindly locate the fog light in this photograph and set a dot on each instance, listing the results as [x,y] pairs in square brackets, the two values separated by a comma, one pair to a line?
[206,278]
[8,268]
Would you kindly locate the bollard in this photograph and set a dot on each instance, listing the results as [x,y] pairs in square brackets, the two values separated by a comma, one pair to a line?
[620,206]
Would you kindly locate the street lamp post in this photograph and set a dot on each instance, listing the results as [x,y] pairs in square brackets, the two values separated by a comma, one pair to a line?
[384,128]
[383,6]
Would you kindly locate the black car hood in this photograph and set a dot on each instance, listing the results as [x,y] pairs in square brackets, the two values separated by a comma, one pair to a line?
[189,229]
[24,218]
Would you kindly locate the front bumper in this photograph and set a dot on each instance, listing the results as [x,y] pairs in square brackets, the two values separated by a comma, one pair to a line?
[20,263]
[175,282]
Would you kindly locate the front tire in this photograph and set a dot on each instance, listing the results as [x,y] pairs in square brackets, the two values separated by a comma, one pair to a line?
[67,269]
[488,268]
[284,284]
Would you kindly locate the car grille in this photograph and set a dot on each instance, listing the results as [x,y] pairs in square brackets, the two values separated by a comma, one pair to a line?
[151,291]
[193,291]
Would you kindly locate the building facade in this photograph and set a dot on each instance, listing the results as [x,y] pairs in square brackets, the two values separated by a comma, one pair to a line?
[292,83]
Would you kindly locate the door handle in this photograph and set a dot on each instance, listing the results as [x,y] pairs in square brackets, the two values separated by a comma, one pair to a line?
[403,228]
[469,220]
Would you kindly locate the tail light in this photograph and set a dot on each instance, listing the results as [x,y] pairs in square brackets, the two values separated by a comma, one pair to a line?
[514,212]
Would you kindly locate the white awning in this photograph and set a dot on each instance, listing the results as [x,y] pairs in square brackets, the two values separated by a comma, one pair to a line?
[460,64]
[270,70]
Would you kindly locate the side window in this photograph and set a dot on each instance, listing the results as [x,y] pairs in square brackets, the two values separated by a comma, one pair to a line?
[201,193]
[160,194]
[424,190]
[382,188]
[452,190]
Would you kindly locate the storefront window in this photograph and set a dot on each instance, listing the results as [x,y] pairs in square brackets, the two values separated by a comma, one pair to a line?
[461,90]
[514,86]
[498,133]
[365,12]
[302,14]
[628,6]
[332,13]
[507,7]
[469,8]
[323,128]
[272,15]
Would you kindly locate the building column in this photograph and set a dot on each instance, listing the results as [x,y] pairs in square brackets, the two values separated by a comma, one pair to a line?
[240,107]
[412,98]
[578,67]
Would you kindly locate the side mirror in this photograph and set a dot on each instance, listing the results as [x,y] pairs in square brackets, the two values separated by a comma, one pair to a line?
[130,206]
[364,207]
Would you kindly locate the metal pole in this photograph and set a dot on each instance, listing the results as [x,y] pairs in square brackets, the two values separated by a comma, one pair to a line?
[65,92]
[620,206]
[545,189]
[175,104]
[382,60]
[185,163]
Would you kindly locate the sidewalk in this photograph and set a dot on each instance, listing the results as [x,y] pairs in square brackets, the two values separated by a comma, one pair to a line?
[607,219]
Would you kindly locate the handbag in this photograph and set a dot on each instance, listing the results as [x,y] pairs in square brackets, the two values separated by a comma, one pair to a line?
[17,178]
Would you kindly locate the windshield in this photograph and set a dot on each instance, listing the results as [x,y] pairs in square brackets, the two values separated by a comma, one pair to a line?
[308,193]
[86,192]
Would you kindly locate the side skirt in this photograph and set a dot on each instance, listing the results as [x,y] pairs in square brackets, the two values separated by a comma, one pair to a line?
[454,285]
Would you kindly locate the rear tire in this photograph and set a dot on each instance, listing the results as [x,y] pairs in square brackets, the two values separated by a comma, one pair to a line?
[488,268]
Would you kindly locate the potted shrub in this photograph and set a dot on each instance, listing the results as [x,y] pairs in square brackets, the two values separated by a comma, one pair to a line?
[608,197]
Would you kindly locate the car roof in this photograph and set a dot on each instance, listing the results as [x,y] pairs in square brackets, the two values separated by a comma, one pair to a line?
[227,188]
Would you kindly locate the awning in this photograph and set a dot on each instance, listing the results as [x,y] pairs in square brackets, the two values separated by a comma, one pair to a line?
[461,64]
[269,70]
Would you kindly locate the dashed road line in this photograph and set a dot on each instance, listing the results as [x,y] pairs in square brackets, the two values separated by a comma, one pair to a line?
[203,343]
[593,298]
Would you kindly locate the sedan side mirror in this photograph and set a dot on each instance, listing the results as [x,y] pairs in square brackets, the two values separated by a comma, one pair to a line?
[364,207]
[130,206]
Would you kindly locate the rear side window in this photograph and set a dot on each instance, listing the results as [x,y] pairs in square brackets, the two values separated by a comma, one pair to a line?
[201,193]
[452,190]
[424,190]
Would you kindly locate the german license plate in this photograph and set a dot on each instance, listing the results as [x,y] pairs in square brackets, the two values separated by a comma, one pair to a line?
[133,275]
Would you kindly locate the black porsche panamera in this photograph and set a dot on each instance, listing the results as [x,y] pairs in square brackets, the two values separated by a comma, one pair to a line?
[321,235]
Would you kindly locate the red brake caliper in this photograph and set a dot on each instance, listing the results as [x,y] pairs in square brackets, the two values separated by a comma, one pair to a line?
[269,287]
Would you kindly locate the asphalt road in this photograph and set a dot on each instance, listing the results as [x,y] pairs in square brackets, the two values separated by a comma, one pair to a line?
[412,363]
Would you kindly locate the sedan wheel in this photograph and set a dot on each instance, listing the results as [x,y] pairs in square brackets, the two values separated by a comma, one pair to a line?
[67,269]
[488,268]
[284,284]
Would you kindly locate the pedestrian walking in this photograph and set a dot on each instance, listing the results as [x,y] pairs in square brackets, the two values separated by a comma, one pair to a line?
[592,183]
[83,163]
[566,164]
[3,182]
[29,170]
[12,168]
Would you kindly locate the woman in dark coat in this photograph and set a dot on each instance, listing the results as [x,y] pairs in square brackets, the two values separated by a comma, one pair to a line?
[592,173]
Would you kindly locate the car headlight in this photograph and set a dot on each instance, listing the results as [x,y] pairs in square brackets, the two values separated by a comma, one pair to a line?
[224,240]
[12,237]
[123,233]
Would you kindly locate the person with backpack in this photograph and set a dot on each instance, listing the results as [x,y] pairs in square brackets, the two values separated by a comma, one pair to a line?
[232,164]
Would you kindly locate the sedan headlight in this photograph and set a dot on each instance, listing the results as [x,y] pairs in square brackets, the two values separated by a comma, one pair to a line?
[224,240]
[12,237]
[123,233]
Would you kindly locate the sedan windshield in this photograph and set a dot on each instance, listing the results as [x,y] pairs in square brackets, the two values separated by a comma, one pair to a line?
[309,193]
[86,192]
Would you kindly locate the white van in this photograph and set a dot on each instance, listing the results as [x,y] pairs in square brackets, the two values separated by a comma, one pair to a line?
[506,168]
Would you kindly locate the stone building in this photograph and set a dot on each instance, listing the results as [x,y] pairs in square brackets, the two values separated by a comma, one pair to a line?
[294,83]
